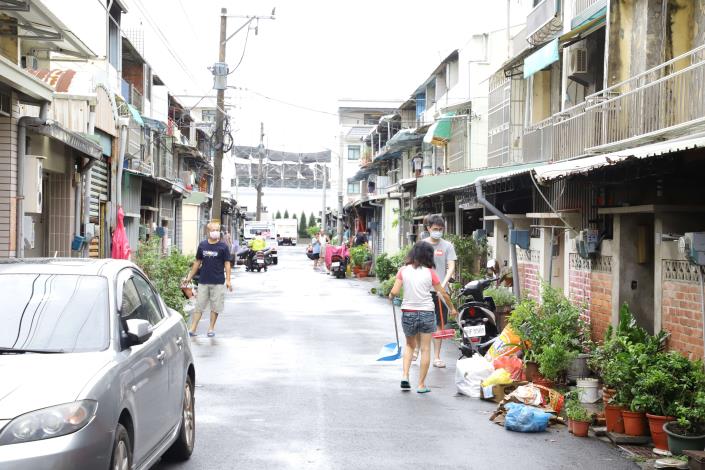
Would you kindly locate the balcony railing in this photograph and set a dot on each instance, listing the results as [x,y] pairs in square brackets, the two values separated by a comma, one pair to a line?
[131,95]
[583,9]
[665,101]
[544,22]
[537,144]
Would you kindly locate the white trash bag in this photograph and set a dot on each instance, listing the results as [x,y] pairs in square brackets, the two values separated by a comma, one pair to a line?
[469,374]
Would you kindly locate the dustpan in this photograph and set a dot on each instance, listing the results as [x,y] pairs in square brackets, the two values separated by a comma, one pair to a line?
[443,333]
[391,351]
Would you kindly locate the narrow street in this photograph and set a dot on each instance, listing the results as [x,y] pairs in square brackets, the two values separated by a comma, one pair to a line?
[291,381]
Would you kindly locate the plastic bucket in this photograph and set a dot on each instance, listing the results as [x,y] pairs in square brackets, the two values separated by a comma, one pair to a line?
[588,390]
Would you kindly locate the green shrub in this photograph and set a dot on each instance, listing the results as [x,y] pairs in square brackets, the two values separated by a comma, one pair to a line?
[384,267]
[502,296]
[165,271]
[470,254]
[358,255]
[313,230]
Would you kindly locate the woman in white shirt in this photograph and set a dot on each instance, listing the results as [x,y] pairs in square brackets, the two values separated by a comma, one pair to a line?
[418,314]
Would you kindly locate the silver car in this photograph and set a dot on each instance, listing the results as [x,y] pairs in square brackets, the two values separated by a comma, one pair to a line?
[95,371]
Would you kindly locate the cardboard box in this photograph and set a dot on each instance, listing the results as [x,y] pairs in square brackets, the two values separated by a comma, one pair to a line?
[496,393]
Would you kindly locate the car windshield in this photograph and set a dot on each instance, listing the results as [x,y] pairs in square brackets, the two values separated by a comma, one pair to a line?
[54,313]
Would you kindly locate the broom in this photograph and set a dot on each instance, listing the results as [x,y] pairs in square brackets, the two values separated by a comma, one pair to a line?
[391,351]
[443,333]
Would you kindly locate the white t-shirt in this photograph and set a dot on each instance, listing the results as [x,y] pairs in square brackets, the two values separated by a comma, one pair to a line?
[418,283]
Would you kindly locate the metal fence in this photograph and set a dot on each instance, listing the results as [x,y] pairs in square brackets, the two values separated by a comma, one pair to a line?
[665,101]
[537,143]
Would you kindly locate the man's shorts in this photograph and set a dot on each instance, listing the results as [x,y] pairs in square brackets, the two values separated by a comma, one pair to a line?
[313,256]
[439,306]
[213,294]
[418,321]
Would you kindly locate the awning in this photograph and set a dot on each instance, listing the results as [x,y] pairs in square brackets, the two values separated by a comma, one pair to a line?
[594,11]
[197,198]
[136,115]
[153,123]
[580,166]
[541,59]
[72,139]
[361,174]
[40,29]
[440,184]
[15,77]
[439,132]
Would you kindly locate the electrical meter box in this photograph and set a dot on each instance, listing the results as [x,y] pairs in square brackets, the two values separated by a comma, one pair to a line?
[33,197]
[692,246]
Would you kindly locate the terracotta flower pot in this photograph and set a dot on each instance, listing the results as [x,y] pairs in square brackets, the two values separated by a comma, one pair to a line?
[531,368]
[634,423]
[613,418]
[581,428]
[362,273]
[659,437]
[607,394]
[543,381]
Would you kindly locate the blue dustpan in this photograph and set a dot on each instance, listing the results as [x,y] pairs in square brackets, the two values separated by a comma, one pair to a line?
[391,351]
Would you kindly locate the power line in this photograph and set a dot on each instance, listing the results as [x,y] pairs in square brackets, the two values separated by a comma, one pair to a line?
[244,49]
[164,40]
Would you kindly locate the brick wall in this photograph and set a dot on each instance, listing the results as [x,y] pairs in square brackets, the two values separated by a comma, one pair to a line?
[530,281]
[8,181]
[134,73]
[681,313]
[590,286]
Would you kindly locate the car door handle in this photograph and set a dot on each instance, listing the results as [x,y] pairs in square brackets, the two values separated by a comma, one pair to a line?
[161,356]
[180,342]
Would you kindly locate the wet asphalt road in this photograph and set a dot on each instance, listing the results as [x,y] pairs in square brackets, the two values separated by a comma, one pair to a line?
[290,382]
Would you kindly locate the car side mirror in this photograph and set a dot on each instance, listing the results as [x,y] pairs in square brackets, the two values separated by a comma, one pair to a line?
[138,331]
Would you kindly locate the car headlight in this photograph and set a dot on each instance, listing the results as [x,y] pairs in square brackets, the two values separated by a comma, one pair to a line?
[49,422]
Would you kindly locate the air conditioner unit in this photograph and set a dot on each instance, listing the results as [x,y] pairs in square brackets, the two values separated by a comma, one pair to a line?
[577,60]
[33,197]
[29,62]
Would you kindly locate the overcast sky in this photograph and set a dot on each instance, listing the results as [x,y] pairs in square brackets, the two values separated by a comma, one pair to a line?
[314,53]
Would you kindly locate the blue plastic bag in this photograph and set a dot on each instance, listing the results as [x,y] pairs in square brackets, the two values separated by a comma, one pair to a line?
[523,418]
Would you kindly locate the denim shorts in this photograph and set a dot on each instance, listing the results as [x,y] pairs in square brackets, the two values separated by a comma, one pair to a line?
[415,322]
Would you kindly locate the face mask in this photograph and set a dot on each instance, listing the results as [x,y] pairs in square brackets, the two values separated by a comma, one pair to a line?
[437,235]
[214,235]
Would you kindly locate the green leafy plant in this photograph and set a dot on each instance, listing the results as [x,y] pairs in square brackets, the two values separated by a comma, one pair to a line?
[313,230]
[384,267]
[502,296]
[386,286]
[165,271]
[579,413]
[665,382]
[470,254]
[552,333]
[690,413]
[358,255]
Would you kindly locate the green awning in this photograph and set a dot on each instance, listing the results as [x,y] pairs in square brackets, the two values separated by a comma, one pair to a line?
[594,11]
[135,115]
[197,198]
[541,59]
[439,132]
[439,184]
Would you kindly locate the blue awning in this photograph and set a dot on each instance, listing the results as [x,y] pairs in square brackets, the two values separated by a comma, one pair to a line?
[541,59]
[135,115]
[154,124]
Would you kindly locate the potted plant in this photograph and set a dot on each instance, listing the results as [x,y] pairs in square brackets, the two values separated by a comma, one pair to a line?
[687,432]
[504,301]
[358,257]
[658,390]
[580,419]
[552,333]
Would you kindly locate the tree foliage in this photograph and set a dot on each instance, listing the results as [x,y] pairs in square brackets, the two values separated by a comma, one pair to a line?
[303,225]
[278,215]
[286,213]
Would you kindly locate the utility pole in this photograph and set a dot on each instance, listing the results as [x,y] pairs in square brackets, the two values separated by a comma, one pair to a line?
[220,120]
[340,197]
[323,209]
[260,151]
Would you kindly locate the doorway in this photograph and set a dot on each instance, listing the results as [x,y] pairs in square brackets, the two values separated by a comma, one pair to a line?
[636,267]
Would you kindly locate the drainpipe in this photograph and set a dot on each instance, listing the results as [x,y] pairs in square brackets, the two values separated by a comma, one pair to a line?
[88,175]
[22,124]
[123,124]
[512,248]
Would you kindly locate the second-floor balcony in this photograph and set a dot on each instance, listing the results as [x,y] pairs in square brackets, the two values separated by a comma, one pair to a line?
[662,103]
[132,95]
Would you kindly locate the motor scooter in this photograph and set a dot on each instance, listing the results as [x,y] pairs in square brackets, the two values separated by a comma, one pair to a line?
[338,262]
[477,317]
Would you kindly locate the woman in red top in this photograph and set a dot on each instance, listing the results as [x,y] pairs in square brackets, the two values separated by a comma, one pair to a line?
[418,315]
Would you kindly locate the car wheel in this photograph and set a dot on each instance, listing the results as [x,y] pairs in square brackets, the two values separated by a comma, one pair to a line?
[122,450]
[182,448]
